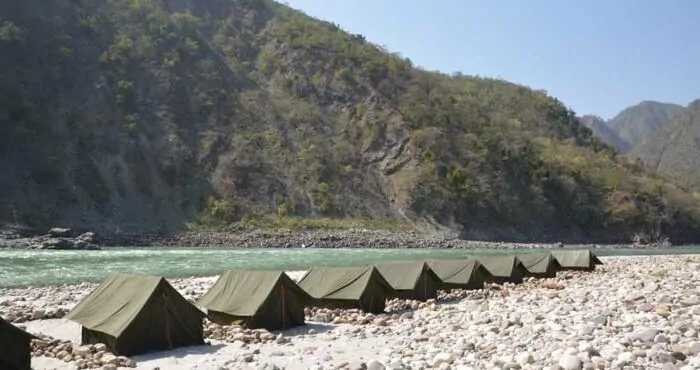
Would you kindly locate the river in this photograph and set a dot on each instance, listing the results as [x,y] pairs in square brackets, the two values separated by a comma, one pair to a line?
[19,268]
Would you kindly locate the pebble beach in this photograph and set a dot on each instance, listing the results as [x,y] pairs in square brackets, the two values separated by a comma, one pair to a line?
[639,312]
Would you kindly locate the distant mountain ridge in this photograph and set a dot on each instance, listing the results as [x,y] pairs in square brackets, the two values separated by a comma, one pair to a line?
[634,125]
[606,133]
[675,150]
[637,123]
[664,136]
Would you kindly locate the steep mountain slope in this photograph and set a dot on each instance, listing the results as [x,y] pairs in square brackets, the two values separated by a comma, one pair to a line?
[636,123]
[604,132]
[141,115]
[675,151]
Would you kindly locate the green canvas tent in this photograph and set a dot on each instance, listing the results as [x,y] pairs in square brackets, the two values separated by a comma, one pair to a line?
[459,273]
[504,268]
[256,299]
[579,259]
[540,264]
[347,287]
[411,280]
[138,314]
[15,347]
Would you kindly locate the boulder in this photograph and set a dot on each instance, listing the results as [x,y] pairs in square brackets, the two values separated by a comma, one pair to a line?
[57,244]
[59,232]
[88,237]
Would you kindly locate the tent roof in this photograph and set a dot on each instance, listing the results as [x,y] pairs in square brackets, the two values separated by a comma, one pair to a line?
[403,275]
[581,258]
[537,262]
[7,328]
[339,282]
[454,271]
[242,293]
[500,266]
[114,305]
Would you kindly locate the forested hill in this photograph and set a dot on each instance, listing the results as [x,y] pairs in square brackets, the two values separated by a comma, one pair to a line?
[142,115]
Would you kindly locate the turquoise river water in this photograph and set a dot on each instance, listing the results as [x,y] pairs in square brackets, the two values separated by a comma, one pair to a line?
[33,268]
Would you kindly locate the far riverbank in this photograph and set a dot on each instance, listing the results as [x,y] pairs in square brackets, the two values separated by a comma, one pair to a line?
[279,238]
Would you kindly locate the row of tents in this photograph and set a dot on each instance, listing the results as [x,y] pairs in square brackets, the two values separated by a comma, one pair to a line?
[139,314]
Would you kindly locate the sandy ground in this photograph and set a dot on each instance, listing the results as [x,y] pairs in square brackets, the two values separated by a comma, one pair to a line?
[303,353]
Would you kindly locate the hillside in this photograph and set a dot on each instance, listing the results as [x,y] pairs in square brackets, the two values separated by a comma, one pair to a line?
[609,136]
[675,151]
[637,123]
[144,115]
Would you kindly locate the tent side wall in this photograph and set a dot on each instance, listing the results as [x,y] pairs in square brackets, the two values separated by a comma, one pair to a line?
[583,269]
[519,273]
[94,337]
[583,261]
[588,268]
[365,289]
[472,285]
[373,298]
[5,364]
[596,260]
[477,277]
[550,272]
[336,303]
[553,267]
[283,309]
[222,318]
[516,277]
[426,287]
[15,353]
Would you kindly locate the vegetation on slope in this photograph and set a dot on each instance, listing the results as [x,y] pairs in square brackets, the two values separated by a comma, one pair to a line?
[675,151]
[144,114]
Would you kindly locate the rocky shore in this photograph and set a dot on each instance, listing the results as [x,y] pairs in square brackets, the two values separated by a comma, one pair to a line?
[350,238]
[56,238]
[260,238]
[61,238]
[631,313]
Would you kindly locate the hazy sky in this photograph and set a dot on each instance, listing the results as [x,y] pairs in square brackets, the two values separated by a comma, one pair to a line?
[597,56]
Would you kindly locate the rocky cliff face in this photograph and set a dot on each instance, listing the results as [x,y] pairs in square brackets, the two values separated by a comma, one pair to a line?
[139,116]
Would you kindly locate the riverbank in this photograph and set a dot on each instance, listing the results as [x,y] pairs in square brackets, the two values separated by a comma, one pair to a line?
[281,238]
[337,238]
[269,237]
[632,312]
